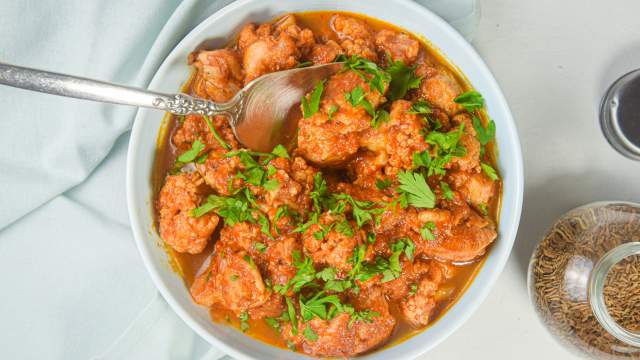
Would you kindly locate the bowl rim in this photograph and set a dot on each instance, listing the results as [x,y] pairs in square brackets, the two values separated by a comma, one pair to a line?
[471,305]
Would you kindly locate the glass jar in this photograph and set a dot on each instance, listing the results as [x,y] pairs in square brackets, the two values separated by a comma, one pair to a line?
[584,280]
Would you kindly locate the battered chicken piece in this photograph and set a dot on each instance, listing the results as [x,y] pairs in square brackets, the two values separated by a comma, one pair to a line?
[439,87]
[289,191]
[328,246]
[270,48]
[366,168]
[305,40]
[476,188]
[232,281]
[399,138]
[184,233]
[417,309]
[219,74]
[279,256]
[399,46]
[194,127]
[325,53]
[219,171]
[342,336]
[333,142]
[461,233]
[471,160]
[356,37]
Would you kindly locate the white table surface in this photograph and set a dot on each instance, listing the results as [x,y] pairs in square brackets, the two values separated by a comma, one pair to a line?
[553,60]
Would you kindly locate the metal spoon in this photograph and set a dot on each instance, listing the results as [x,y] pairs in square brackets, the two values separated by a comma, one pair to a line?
[263,114]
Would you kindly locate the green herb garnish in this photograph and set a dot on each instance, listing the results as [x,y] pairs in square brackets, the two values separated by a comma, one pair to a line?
[382,184]
[215,133]
[420,107]
[312,105]
[356,97]
[418,192]
[309,333]
[403,78]
[244,318]
[191,154]
[332,109]
[470,100]
[280,151]
[426,231]
[489,171]
[446,190]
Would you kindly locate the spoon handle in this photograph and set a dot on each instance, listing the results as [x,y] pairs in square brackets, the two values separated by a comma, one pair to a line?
[83,88]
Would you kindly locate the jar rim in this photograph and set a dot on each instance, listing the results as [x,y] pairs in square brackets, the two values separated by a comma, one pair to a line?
[597,281]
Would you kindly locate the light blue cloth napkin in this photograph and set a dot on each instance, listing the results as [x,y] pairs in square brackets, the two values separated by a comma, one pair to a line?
[71,277]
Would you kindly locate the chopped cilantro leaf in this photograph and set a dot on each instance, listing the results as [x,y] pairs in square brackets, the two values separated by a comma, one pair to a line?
[418,192]
[382,184]
[470,100]
[326,274]
[357,98]
[337,285]
[260,246]
[380,116]
[366,315]
[484,134]
[344,228]
[317,306]
[309,333]
[215,133]
[202,158]
[446,190]
[249,260]
[233,209]
[489,171]
[280,151]
[191,154]
[244,318]
[265,226]
[274,323]
[332,109]
[363,211]
[291,311]
[426,231]
[304,64]
[320,193]
[413,289]
[421,159]
[420,107]
[305,274]
[403,78]
[371,238]
[312,105]
[324,230]
[368,71]
[271,184]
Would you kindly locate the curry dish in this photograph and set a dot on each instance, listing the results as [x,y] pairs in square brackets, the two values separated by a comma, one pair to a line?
[362,231]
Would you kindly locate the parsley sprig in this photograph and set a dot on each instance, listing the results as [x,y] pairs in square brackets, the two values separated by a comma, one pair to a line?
[369,71]
[403,78]
[312,105]
[470,100]
[444,147]
[215,133]
[418,192]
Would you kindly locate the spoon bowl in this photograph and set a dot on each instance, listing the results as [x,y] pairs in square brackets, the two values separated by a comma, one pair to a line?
[270,108]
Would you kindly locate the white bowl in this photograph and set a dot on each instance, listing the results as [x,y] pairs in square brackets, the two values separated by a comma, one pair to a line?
[222,25]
